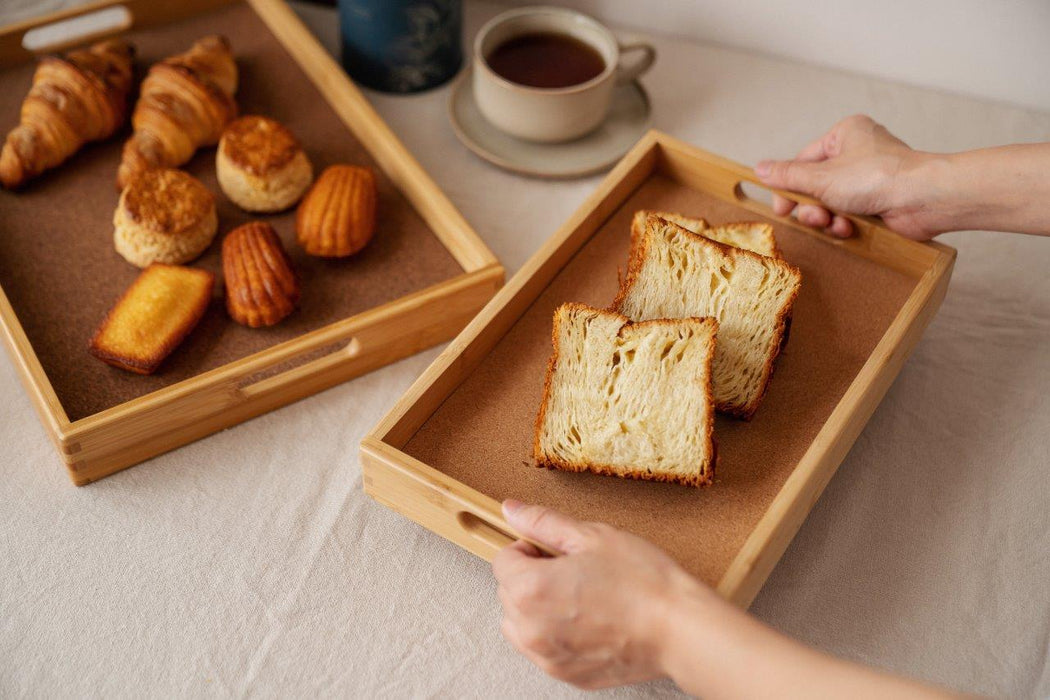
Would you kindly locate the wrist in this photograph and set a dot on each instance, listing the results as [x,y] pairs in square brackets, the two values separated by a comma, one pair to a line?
[683,618]
[929,196]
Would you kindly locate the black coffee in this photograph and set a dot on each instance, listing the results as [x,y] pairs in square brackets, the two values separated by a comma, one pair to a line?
[546,60]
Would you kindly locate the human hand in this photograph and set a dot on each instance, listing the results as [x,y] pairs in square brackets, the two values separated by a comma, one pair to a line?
[596,616]
[857,167]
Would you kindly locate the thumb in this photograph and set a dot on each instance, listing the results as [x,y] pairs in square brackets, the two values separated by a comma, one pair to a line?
[794,175]
[544,525]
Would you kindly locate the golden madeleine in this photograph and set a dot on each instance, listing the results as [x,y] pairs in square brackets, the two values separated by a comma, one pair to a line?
[261,287]
[337,217]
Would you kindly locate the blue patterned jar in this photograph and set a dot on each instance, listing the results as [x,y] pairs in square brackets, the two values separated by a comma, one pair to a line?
[401,45]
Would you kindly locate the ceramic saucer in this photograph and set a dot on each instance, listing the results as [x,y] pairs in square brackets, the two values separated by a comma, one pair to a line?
[629,118]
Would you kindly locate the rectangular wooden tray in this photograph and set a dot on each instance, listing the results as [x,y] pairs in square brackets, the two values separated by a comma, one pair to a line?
[422,279]
[460,440]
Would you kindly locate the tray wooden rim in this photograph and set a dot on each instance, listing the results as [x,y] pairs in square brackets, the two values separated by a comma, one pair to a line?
[478,523]
[98,437]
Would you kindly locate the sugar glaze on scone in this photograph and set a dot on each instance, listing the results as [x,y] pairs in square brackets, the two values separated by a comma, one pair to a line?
[261,166]
[164,216]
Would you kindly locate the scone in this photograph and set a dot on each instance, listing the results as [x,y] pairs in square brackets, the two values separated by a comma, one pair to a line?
[337,218]
[164,216]
[261,166]
[154,315]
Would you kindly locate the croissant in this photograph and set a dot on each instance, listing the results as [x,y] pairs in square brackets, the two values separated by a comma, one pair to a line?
[76,98]
[184,104]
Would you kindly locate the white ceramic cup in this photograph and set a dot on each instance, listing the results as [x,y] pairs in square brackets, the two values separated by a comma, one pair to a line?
[550,115]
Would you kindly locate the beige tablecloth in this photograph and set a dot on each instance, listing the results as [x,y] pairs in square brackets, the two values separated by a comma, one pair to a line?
[251,562]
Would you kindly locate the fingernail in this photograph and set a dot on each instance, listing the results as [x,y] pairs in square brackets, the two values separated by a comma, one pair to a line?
[510,506]
[763,168]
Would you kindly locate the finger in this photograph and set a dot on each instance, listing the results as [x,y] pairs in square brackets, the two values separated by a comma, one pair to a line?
[794,175]
[544,525]
[513,559]
[812,215]
[782,206]
[841,226]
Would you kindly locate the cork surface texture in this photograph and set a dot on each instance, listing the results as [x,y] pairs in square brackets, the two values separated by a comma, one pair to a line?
[61,273]
[482,434]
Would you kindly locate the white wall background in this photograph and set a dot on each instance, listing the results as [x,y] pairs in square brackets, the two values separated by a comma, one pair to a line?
[994,49]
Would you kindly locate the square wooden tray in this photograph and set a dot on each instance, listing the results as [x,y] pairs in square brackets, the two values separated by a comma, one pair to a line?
[460,440]
[426,275]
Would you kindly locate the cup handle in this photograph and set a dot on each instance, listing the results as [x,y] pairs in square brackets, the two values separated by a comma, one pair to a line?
[626,74]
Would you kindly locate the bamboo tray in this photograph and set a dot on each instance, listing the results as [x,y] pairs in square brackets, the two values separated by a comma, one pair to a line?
[421,280]
[460,440]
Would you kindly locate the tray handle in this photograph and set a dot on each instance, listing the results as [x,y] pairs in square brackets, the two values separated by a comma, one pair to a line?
[493,532]
[64,29]
[249,388]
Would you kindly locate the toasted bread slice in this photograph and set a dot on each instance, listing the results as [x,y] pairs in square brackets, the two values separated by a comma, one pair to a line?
[153,316]
[748,235]
[678,274]
[628,399]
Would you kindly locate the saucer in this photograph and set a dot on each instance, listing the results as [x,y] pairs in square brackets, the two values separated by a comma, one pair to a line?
[629,118]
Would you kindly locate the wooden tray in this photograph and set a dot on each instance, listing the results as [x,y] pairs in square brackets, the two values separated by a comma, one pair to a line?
[423,278]
[460,440]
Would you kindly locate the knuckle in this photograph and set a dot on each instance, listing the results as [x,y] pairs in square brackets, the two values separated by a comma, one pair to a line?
[556,670]
[535,641]
[858,120]
[531,588]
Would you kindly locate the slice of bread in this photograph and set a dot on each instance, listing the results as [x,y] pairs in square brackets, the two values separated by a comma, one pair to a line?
[628,399]
[678,274]
[748,235]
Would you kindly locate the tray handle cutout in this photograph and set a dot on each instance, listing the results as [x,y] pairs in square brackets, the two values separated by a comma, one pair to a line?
[267,381]
[494,535]
[79,29]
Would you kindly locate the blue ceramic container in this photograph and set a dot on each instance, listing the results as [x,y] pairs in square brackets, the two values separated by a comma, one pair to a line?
[401,45]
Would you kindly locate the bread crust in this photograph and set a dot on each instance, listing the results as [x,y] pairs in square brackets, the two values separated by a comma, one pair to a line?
[634,266]
[543,461]
[146,360]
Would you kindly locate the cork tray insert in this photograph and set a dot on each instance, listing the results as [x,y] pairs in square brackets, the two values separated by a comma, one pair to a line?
[482,434]
[61,273]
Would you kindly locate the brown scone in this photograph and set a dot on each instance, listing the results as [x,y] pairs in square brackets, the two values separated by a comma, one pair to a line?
[261,166]
[153,316]
[261,287]
[75,99]
[337,217]
[184,103]
[165,216]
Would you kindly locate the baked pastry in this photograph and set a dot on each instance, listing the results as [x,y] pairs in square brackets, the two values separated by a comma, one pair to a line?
[751,295]
[184,103]
[154,315]
[751,236]
[628,399]
[261,166]
[76,98]
[337,217]
[261,287]
[164,216]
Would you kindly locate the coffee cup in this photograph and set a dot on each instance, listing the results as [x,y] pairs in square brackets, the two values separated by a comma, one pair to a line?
[543,46]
